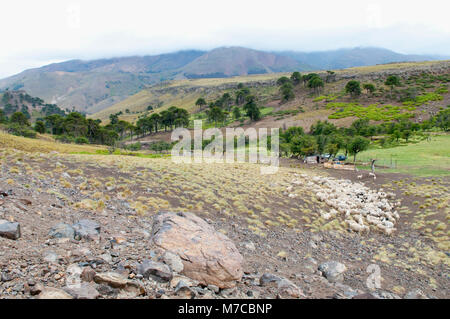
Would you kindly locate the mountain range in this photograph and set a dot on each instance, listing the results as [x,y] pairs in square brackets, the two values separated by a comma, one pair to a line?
[91,86]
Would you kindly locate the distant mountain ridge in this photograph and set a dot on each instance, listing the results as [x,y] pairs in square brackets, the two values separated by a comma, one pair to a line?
[91,86]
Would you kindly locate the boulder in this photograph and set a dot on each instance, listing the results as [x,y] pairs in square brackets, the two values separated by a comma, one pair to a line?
[62,231]
[207,255]
[9,230]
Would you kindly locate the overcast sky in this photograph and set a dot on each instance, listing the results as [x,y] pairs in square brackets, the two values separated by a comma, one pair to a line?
[36,33]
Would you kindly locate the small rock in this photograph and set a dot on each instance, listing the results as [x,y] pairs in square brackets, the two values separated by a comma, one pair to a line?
[269,280]
[415,294]
[86,229]
[213,288]
[54,293]
[88,274]
[112,279]
[62,231]
[184,291]
[249,245]
[9,230]
[50,257]
[173,261]
[36,289]
[333,270]
[131,290]
[83,291]
[156,270]
[287,289]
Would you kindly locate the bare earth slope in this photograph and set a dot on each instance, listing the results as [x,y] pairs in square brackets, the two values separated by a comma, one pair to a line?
[277,223]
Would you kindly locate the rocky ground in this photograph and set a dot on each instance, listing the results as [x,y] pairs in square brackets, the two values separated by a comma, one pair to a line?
[80,226]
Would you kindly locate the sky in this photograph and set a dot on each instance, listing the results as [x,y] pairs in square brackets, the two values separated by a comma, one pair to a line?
[36,33]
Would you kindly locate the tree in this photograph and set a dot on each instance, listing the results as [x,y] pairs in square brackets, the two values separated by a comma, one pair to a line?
[353,88]
[358,144]
[114,118]
[396,135]
[316,83]
[39,127]
[200,102]
[3,118]
[392,80]
[331,76]
[283,80]
[287,92]
[215,114]
[296,78]
[304,145]
[236,113]
[19,118]
[251,109]
[369,87]
[442,119]
[406,135]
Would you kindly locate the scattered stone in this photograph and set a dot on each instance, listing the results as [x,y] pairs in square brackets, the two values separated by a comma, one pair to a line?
[36,289]
[131,290]
[415,294]
[62,231]
[54,293]
[250,246]
[5,277]
[83,291]
[333,270]
[10,230]
[364,296]
[173,261]
[213,288]
[155,270]
[112,279]
[50,257]
[87,274]
[269,280]
[208,256]
[86,229]
[287,289]
[184,291]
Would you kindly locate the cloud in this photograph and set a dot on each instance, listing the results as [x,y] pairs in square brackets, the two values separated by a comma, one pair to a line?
[66,29]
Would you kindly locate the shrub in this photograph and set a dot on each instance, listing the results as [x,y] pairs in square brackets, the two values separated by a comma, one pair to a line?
[81,140]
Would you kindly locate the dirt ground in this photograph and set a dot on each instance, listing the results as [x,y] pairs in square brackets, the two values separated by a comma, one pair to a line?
[274,233]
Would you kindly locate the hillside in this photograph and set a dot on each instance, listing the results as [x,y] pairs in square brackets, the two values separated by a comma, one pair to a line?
[184,93]
[32,107]
[92,86]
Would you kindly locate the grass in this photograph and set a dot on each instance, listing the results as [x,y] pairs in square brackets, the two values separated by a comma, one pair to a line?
[425,158]
[43,144]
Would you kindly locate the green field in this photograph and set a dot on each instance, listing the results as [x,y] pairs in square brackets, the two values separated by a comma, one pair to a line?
[425,158]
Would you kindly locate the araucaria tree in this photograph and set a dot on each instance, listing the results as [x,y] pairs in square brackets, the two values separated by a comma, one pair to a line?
[252,109]
[353,88]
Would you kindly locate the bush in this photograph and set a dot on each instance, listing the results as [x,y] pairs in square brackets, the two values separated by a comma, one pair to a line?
[134,147]
[81,140]
[19,130]
[65,139]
